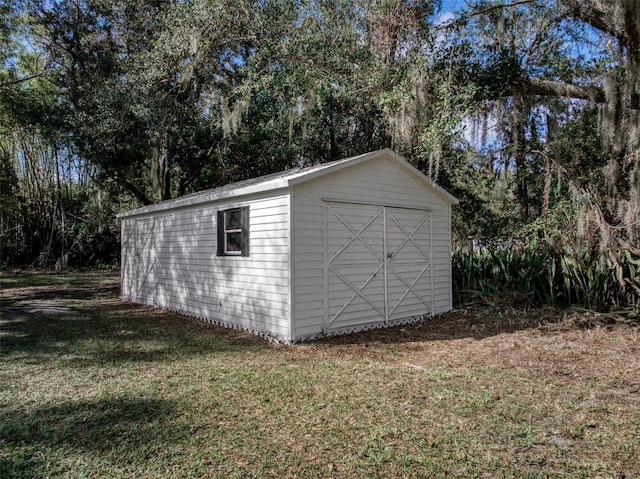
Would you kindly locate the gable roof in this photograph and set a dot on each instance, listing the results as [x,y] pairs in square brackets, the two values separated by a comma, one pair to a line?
[285,179]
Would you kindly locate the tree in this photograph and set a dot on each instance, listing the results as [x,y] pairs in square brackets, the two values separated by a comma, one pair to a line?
[550,93]
[141,80]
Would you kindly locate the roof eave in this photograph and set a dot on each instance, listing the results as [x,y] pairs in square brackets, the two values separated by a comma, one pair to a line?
[281,183]
[179,203]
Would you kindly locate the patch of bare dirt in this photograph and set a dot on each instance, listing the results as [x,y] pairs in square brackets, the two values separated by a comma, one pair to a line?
[570,345]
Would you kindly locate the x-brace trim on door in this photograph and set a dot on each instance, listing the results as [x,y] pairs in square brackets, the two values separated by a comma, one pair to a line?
[377,258]
[146,240]
[357,291]
[356,236]
[409,287]
[365,242]
[408,237]
[139,262]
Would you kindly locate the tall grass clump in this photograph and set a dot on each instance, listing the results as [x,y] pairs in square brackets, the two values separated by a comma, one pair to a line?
[537,276]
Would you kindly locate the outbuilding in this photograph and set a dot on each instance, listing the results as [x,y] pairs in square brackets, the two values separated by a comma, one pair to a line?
[340,247]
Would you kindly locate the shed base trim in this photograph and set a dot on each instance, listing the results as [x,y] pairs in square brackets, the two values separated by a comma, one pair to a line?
[365,327]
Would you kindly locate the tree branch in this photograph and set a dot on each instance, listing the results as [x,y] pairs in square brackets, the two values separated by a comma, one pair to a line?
[502,5]
[134,190]
[21,80]
[601,15]
[537,86]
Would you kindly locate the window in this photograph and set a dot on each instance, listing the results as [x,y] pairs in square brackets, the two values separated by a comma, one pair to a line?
[233,232]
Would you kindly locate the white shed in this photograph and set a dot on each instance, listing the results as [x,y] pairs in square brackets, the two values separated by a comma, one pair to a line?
[340,247]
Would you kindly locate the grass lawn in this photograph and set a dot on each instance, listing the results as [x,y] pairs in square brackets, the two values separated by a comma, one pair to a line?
[94,387]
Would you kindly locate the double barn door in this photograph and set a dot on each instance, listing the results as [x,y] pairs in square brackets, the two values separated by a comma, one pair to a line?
[377,264]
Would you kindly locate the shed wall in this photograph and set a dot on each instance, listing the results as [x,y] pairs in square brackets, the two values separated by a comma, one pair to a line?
[169,260]
[379,181]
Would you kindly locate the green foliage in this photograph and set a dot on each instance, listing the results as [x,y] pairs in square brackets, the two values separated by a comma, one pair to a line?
[156,99]
[9,205]
[544,263]
[578,140]
[537,277]
[487,208]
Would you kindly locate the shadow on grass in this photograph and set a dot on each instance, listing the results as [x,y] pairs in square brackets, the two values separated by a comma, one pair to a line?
[117,333]
[477,322]
[27,279]
[85,311]
[89,326]
[76,293]
[121,428]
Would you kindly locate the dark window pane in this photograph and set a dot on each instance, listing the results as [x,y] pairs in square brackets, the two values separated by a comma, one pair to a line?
[232,220]
[234,241]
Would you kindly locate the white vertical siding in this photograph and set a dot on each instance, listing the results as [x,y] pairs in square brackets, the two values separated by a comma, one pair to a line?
[181,272]
[378,181]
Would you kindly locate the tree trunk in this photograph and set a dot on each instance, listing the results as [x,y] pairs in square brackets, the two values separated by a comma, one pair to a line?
[618,18]
[518,144]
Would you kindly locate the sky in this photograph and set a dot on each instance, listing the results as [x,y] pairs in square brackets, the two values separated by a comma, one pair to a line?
[447,8]
[450,5]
